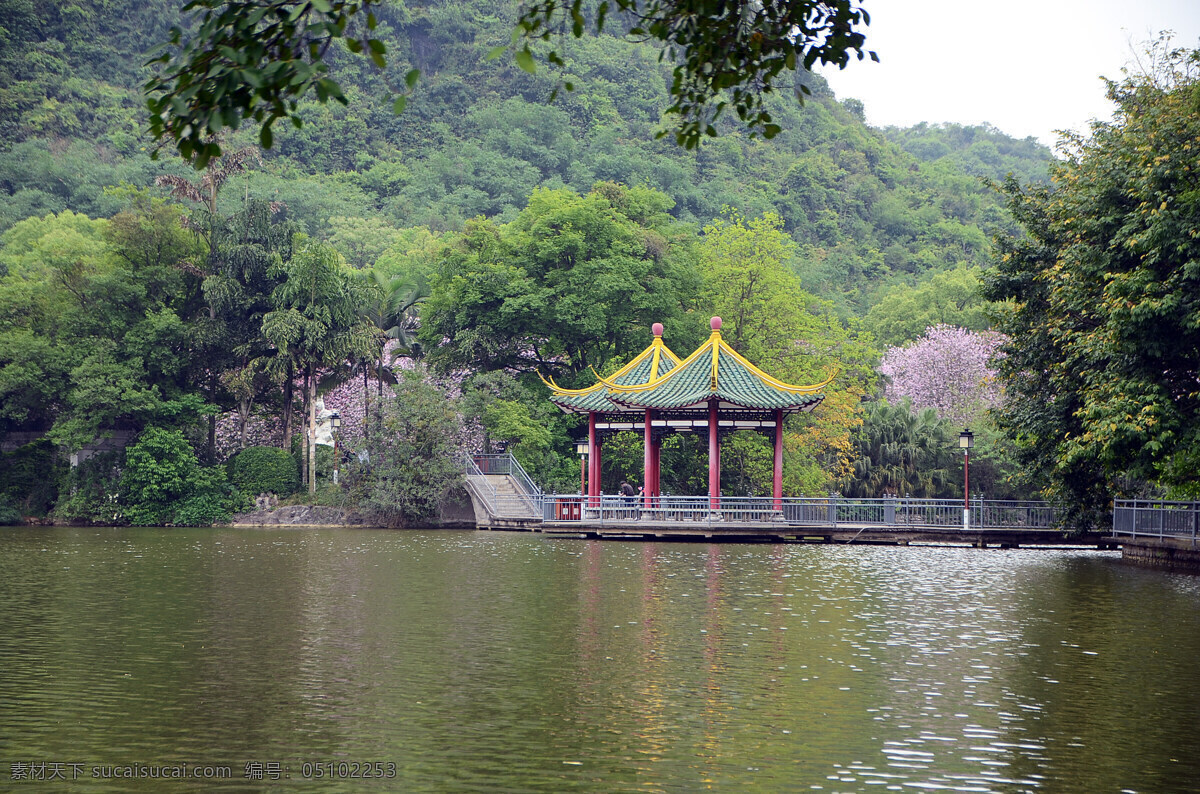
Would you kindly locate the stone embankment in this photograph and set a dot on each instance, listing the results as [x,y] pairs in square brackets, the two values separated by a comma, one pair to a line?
[1168,554]
[300,516]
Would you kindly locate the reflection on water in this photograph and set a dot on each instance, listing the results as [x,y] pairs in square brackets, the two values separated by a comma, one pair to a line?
[510,662]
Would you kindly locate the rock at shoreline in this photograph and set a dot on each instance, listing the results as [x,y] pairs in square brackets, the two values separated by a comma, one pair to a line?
[300,515]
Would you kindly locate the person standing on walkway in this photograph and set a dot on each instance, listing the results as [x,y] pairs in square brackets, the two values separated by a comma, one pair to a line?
[629,493]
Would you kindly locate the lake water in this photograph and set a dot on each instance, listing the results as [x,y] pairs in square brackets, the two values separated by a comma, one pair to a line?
[477,661]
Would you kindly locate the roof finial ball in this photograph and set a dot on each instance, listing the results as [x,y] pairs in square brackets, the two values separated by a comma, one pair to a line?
[656,329]
[715,324]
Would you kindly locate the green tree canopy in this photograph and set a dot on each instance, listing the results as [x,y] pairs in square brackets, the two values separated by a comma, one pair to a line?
[572,282]
[317,321]
[951,297]
[1104,320]
[258,61]
[789,333]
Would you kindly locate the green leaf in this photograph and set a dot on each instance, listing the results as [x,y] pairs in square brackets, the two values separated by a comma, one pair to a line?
[411,78]
[399,105]
[525,61]
[265,137]
[495,52]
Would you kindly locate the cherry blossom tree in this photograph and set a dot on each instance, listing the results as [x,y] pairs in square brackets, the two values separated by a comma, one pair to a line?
[947,369]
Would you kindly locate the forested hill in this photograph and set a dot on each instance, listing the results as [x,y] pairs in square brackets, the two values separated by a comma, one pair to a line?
[868,208]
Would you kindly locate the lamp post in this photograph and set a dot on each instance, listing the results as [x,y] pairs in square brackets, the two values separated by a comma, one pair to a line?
[581,448]
[966,439]
[335,421]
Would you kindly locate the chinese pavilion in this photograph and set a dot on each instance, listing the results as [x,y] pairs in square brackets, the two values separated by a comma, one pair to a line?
[714,390]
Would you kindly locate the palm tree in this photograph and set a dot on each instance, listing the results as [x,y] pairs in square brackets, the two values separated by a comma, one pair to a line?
[392,311]
[902,452]
[205,191]
[317,323]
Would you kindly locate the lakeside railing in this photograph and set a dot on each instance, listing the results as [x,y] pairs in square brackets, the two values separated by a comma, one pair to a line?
[529,503]
[1156,518]
[896,514]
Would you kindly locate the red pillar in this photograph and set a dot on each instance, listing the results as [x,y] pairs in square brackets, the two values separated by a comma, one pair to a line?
[593,462]
[777,487]
[656,463]
[714,458]
[647,461]
[599,477]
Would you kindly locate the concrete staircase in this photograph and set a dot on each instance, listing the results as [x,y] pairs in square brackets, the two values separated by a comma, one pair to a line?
[500,499]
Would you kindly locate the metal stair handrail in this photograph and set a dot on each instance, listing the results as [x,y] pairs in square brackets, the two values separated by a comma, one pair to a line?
[507,464]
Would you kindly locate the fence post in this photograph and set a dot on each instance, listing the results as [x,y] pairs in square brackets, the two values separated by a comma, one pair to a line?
[889,510]
[833,510]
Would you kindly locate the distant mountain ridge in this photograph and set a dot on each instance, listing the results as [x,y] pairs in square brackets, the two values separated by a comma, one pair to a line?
[868,208]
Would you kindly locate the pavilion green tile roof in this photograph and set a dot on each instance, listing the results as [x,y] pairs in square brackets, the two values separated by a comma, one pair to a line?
[647,366]
[714,371]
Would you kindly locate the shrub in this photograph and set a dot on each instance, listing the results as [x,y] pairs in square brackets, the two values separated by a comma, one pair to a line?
[9,516]
[163,483]
[209,503]
[257,470]
[412,463]
[29,477]
[89,492]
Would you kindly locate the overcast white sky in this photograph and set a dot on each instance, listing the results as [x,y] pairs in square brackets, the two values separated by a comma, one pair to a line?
[1028,67]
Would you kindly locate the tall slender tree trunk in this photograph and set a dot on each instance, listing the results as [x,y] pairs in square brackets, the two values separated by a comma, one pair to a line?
[304,459]
[379,404]
[312,433]
[244,407]
[288,397]
[212,420]
[366,401]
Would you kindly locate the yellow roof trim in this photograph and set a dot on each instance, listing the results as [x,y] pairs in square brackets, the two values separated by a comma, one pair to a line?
[715,341]
[778,384]
[656,349]
[564,392]
[679,365]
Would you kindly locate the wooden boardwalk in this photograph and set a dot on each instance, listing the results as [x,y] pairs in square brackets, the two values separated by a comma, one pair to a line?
[778,532]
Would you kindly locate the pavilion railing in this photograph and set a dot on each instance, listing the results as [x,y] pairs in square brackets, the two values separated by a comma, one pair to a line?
[888,514]
[1156,518]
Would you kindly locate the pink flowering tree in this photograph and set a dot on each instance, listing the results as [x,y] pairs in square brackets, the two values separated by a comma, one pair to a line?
[948,369]
[351,398]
